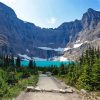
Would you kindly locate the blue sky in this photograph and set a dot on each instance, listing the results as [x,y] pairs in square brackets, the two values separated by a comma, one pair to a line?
[51,13]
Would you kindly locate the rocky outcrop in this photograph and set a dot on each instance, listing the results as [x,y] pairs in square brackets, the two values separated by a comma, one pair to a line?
[90,19]
[89,35]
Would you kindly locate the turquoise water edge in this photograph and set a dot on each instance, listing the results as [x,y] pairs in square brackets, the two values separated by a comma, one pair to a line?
[46,63]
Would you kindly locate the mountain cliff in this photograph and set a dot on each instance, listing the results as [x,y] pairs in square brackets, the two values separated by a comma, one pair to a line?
[19,37]
[89,35]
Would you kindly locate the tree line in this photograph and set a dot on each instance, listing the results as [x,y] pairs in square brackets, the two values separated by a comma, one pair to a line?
[84,74]
[13,76]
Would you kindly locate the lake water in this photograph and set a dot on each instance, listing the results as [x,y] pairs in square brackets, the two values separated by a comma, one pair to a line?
[46,63]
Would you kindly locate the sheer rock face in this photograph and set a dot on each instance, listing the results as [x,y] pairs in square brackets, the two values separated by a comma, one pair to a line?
[90,19]
[89,35]
[25,38]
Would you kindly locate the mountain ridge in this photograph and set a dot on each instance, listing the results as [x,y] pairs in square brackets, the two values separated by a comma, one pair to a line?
[25,36]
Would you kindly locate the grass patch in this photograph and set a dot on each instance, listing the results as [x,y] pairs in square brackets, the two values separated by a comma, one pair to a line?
[20,86]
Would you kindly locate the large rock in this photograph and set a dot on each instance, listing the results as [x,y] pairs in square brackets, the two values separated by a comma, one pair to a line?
[30,89]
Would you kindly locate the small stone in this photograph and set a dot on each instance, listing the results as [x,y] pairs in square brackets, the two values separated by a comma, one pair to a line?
[83,91]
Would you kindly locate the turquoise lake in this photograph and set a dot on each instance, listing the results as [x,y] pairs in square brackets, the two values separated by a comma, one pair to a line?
[46,63]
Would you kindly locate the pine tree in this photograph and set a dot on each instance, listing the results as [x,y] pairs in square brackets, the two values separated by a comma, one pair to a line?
[18,62]
[12,61]
[96,75]
[97,52]
[31,64]
[90,75]
[55,71]
[6,61]
[32,67]
[62,69]
[84,80]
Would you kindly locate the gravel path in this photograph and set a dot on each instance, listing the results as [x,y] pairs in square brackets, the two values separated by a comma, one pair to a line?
[49,96]
[48,83]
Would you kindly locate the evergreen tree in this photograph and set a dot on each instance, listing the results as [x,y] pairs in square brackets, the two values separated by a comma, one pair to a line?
[97,52]
[18,62]
[12,61]
[86,74]
[31,64]
[55,71]
[84,80]
[96,75]
[62,69]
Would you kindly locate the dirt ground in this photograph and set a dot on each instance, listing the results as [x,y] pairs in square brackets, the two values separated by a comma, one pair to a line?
[48,83]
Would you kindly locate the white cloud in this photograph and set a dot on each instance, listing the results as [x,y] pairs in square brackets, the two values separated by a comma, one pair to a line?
[52,20]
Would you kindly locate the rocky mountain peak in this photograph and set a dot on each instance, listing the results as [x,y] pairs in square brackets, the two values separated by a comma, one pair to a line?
[6,11]
[90,10]
[90,19]
[24,36]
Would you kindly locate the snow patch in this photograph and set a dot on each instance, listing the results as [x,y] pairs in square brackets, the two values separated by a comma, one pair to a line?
[55,49]
[39,59]
[86,42]
[56,58]
[77,45]
[66,49]
[24,56]
[77,41]
[27,58]
[59,49]
[24,59]
[61,58]
[45,48]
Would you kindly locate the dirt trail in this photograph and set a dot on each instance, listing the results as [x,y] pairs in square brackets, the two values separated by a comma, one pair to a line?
[48,83]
